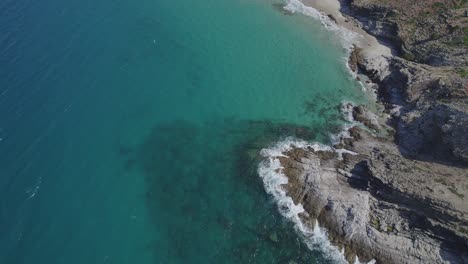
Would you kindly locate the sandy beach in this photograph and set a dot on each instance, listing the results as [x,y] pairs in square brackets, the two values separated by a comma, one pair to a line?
[332,8]
[373,51]
[410,154]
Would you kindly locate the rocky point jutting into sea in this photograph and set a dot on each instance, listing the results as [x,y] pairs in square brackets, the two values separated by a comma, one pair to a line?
[394,186]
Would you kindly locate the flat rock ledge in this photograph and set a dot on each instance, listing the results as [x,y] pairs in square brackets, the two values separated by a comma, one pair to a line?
[379,205]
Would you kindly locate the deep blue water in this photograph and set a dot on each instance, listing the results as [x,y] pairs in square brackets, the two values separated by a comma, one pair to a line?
[129,131]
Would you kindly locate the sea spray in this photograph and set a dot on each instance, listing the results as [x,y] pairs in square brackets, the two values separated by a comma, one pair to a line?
[347,37]
[159,149]
[346,110]
[271,172]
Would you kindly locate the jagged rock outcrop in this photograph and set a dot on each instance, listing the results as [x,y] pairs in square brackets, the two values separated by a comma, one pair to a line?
[440,131]
[402,197]
[429,107]
[380,205]
[430,32]
[369,119]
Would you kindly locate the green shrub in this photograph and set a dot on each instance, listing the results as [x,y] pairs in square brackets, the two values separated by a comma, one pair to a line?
[438,5]
[462,72]
[408,56]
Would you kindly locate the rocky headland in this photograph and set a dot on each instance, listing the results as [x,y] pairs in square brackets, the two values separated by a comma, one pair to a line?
[394,188]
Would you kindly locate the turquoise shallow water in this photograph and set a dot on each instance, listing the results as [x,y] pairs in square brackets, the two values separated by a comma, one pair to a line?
[130,130]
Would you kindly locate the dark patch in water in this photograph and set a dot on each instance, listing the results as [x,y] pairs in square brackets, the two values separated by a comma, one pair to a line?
[331,124]
[123,150]
[205,198]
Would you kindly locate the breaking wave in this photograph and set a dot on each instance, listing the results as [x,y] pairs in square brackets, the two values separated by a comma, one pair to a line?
[346,37]
[270,169]
[271,172]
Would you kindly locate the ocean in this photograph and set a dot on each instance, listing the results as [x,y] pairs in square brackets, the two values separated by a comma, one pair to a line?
[130,132]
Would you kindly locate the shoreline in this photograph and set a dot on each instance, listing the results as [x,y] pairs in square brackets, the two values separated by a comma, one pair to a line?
[375,201]
[370,45]
[366,57]
[376,53]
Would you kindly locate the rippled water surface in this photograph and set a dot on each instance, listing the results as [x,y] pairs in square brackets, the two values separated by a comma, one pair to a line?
[130,130]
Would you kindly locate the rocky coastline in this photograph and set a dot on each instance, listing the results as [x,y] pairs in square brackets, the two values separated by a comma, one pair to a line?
[394,188]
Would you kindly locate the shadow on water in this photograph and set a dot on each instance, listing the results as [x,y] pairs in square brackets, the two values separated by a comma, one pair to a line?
[205,199]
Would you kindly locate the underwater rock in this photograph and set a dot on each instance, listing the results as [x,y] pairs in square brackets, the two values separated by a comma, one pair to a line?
[274,237]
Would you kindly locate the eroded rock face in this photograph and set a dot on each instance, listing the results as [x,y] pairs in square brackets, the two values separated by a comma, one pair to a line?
[400,199]
[355,58]
[380,205]
[454,134]
[430,32]
[441,130]
[363,115]
[429,106]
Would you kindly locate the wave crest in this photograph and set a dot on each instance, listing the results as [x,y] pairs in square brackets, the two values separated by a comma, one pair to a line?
[270,170]
[346,36]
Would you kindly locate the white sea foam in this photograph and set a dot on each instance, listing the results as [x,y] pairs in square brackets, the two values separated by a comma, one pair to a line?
[271,172]
[33,191]
[347,113]
[346,36]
